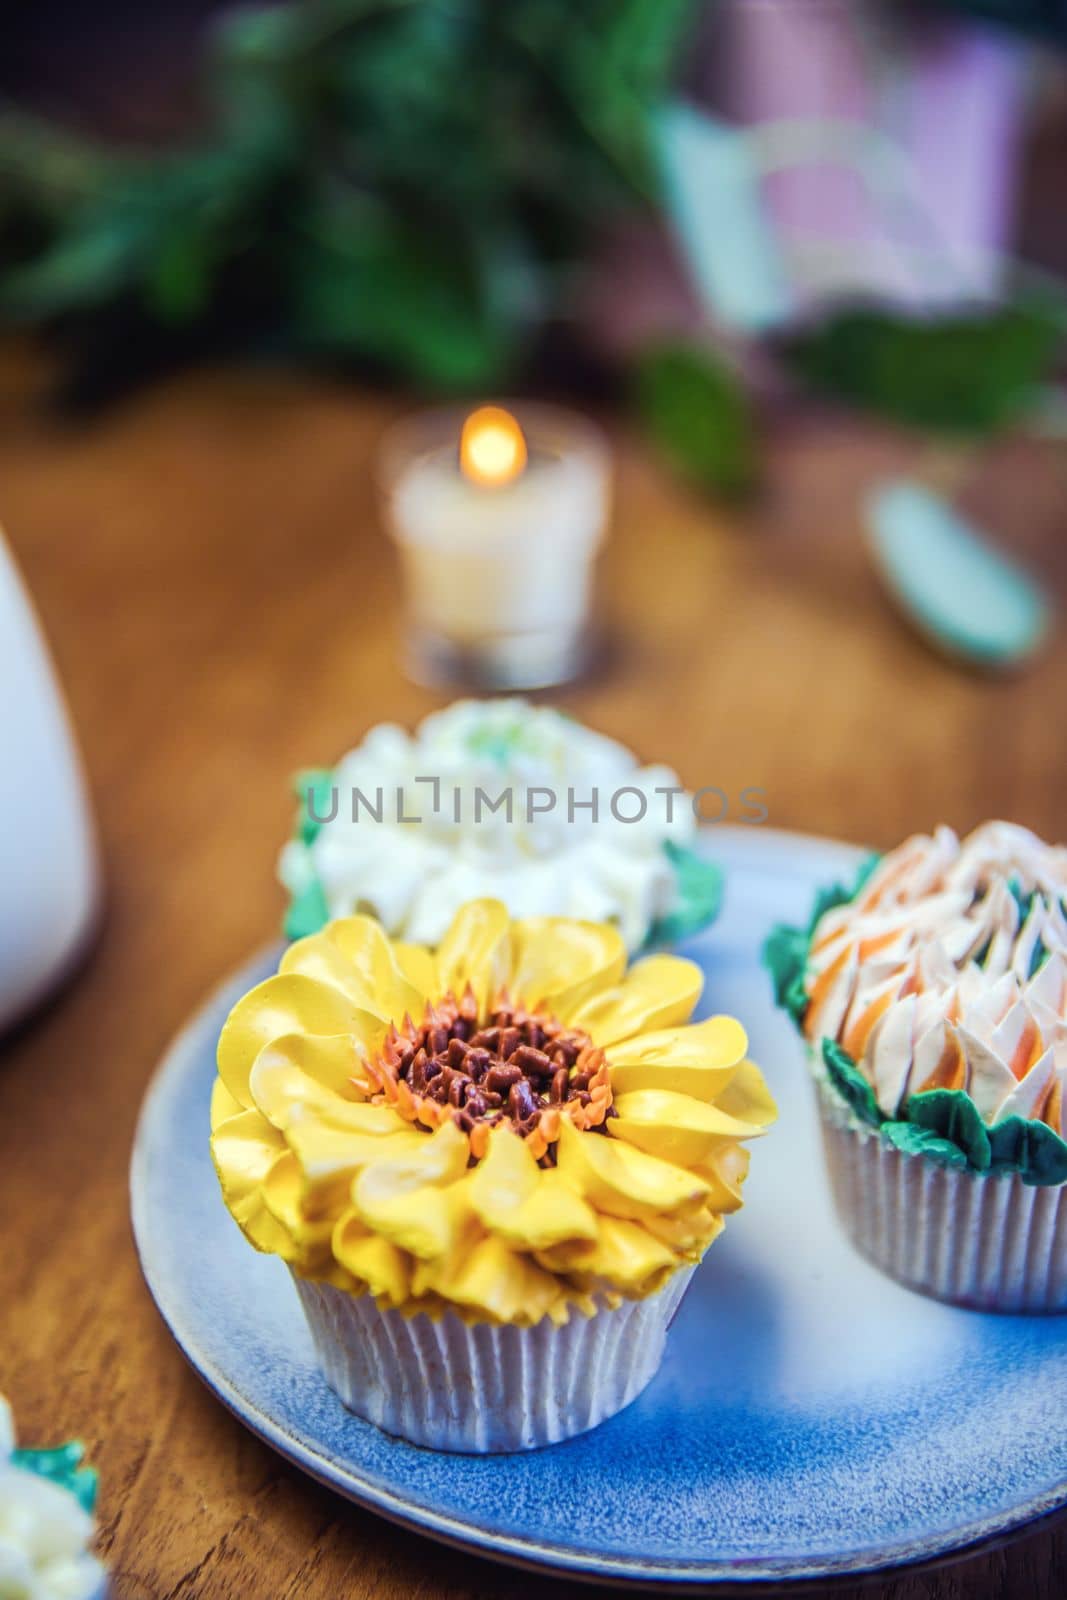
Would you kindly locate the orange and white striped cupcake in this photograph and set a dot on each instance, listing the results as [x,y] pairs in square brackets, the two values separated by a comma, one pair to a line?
[934,1000]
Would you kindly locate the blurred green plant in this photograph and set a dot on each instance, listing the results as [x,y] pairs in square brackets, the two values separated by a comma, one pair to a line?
[416,184]
[961,374]
[696,410]
[411,181]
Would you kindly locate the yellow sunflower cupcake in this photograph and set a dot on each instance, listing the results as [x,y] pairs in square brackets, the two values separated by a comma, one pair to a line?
[491,1166]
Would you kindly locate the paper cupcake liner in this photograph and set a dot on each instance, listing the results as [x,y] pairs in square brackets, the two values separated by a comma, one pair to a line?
[985,1240]
[486,1388]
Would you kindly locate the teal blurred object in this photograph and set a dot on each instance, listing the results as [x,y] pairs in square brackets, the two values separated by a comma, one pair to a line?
[712,187]
[966,598]
[62,1466]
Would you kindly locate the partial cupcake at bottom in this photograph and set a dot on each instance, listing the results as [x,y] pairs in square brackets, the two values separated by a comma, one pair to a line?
[933,997]
[491,1166]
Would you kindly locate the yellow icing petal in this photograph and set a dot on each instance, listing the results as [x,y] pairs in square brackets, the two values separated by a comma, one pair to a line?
[339,1276]
[724,1173]
[658,992]
[282,1196]
[385,1270]
[223,1104]
[747,1096]
[476,950]
[330,1158]
[398,1197]
[425,1222]
[621,1180]
[364,943]
[552,1213]
[317,958]
[689,1235]
[560,964]
[523,1203]
[355,955]
[419,967]
[299,1069]
[627,1257]
[698,1059]
[673,1126]
[501,1284]
[288,1003]
[244,1148]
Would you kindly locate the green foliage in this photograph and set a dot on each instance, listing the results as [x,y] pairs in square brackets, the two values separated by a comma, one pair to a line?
[409,181]
[698,413]
[415,184]
[961,374]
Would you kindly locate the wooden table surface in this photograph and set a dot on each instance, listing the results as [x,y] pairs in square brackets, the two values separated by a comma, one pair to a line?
[223,609]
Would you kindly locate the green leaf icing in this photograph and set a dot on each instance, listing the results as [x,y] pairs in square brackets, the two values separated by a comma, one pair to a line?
[785,955]
[61,1466]
[953,1115]
[1040,953]
[314,789]
[307,912]
[1023,900]
[1032,1149]
[850,1083]
[946,1126]
[785,950]
[917,1141]
[698,896]
[499,742]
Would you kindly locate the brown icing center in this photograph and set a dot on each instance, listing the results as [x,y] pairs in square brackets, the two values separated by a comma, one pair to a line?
[511,1064]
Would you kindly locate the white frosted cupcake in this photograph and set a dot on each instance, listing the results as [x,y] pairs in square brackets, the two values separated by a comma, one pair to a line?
[491,1166]
[497,798]
[46,1523]
[934,998]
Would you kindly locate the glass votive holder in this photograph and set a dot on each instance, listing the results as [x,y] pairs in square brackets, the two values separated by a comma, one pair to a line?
[497,515]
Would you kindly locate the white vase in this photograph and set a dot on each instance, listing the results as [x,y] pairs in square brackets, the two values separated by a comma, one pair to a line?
[49,868]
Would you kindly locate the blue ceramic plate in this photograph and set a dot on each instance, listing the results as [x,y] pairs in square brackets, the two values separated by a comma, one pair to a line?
[810,1416]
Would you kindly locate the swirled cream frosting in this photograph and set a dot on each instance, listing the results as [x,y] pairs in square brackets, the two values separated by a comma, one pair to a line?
[511,1124]
[949,971]
[549,852]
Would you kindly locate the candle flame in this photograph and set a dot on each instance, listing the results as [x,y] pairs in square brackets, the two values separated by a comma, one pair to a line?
[492,448]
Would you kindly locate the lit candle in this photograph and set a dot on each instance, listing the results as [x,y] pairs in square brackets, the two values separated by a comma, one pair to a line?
[498,516]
